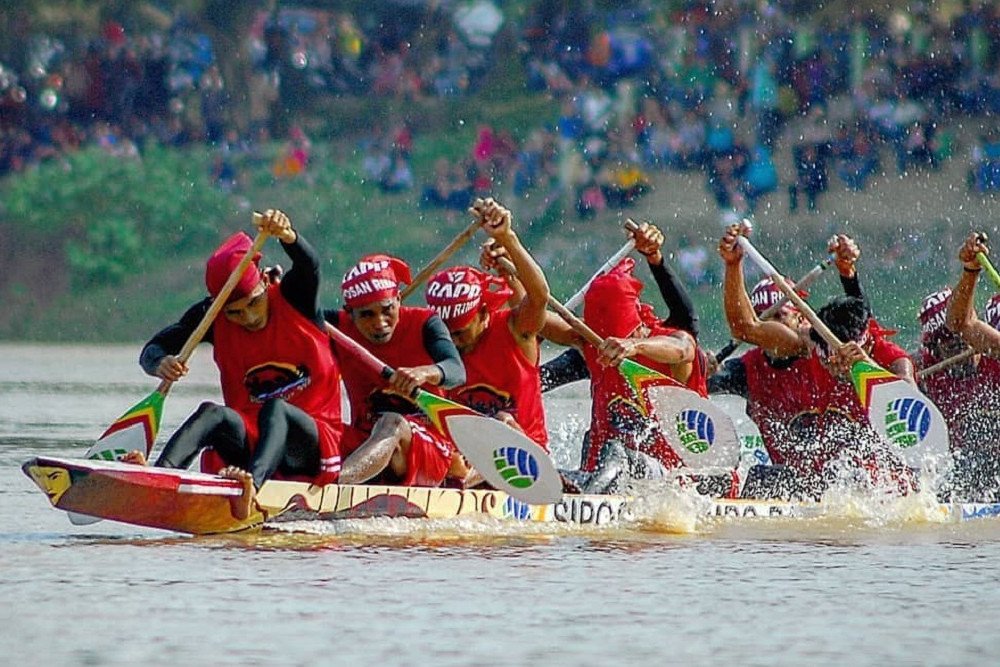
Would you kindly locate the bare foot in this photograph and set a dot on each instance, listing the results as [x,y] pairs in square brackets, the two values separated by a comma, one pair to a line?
[242,505]
[135,457]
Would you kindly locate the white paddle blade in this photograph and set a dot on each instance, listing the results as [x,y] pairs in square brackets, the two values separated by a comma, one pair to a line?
[506,458]
[703,435]
[909,422]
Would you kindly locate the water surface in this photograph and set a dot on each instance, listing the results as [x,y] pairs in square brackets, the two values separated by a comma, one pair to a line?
[859,588]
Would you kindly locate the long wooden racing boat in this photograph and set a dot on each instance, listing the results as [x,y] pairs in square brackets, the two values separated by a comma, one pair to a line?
[199,504]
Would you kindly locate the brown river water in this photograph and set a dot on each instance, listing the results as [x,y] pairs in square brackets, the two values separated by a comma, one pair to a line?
[870,586]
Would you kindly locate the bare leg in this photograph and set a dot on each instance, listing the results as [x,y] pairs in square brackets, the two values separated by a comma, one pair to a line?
[388,445]
[241,506]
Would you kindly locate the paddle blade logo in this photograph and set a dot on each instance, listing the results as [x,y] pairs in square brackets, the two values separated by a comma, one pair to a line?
[518,467]
[907,422]
[695,430]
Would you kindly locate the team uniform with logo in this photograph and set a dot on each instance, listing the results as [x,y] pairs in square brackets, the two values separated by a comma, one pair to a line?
[430,450]
[418,339]
[287,363]
[288,359]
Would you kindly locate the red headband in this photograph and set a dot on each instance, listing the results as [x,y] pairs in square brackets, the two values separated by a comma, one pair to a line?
[456,294]
[993,312]
[932,312]
[374,278]
[765,294]
[224,261]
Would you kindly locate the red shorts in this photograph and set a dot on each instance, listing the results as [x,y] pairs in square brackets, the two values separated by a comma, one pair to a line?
[430,452]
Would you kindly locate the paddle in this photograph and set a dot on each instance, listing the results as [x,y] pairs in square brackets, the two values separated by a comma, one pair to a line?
[897,410]
[945,363]
[440,259]
[803,283]
[577,299]
[705,432]
[137,428]
[506,458]
[984,262]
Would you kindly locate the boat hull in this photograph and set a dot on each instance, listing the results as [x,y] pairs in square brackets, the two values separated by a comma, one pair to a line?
[198,504]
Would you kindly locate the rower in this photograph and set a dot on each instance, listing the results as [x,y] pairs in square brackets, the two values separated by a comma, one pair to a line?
[280,383]
[961,314]
[499,345]
[388,433]
[681,313]
[623,426]
[805,424]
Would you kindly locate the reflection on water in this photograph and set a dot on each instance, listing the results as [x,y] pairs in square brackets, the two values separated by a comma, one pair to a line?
[675,588]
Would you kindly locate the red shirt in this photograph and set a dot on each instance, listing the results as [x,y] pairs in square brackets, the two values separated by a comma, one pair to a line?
[405,349]
[289,359]
[501,378]
[775,397]
[965,396]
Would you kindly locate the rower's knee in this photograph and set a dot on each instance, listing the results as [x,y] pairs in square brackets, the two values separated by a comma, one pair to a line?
[273,409]
[391,423]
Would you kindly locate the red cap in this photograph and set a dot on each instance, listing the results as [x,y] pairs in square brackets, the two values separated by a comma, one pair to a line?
[932,312]
[223,262]
[993,312]
[456,294]
[765,294]
[374,278]
[611,306]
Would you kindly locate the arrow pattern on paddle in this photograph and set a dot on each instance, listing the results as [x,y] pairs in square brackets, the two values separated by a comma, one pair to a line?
[136,429]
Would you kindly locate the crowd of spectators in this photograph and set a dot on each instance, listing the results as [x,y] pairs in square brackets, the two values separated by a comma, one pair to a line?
[722,89]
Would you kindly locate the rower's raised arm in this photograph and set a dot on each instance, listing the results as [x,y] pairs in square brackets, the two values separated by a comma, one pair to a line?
[529,314]
[775,338]
[961,316]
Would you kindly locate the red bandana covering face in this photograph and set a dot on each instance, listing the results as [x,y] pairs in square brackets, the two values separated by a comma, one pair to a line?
[223,262]
[374,278]
[933,312]
[456,294]
[765,294]
[993,312]
[611,306]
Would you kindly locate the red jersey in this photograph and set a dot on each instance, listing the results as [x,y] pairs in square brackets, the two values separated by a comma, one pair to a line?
[967,396]
[839,394]
[616,410]
[501,378]
[404,349]
[775,397]
[289,359]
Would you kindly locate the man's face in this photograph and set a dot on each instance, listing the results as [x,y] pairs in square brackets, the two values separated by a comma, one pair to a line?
[251,311]
[466,338]
[377,321]
[790,317]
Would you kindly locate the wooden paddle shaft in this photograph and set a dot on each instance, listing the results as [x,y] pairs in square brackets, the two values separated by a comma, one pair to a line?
[577,299]
[355,348]
[945,363]
[217,303]
[789,291]
[440,259]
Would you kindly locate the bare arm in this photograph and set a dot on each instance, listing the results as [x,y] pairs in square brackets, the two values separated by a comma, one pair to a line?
[773,336]
[961,311]
[529,314]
